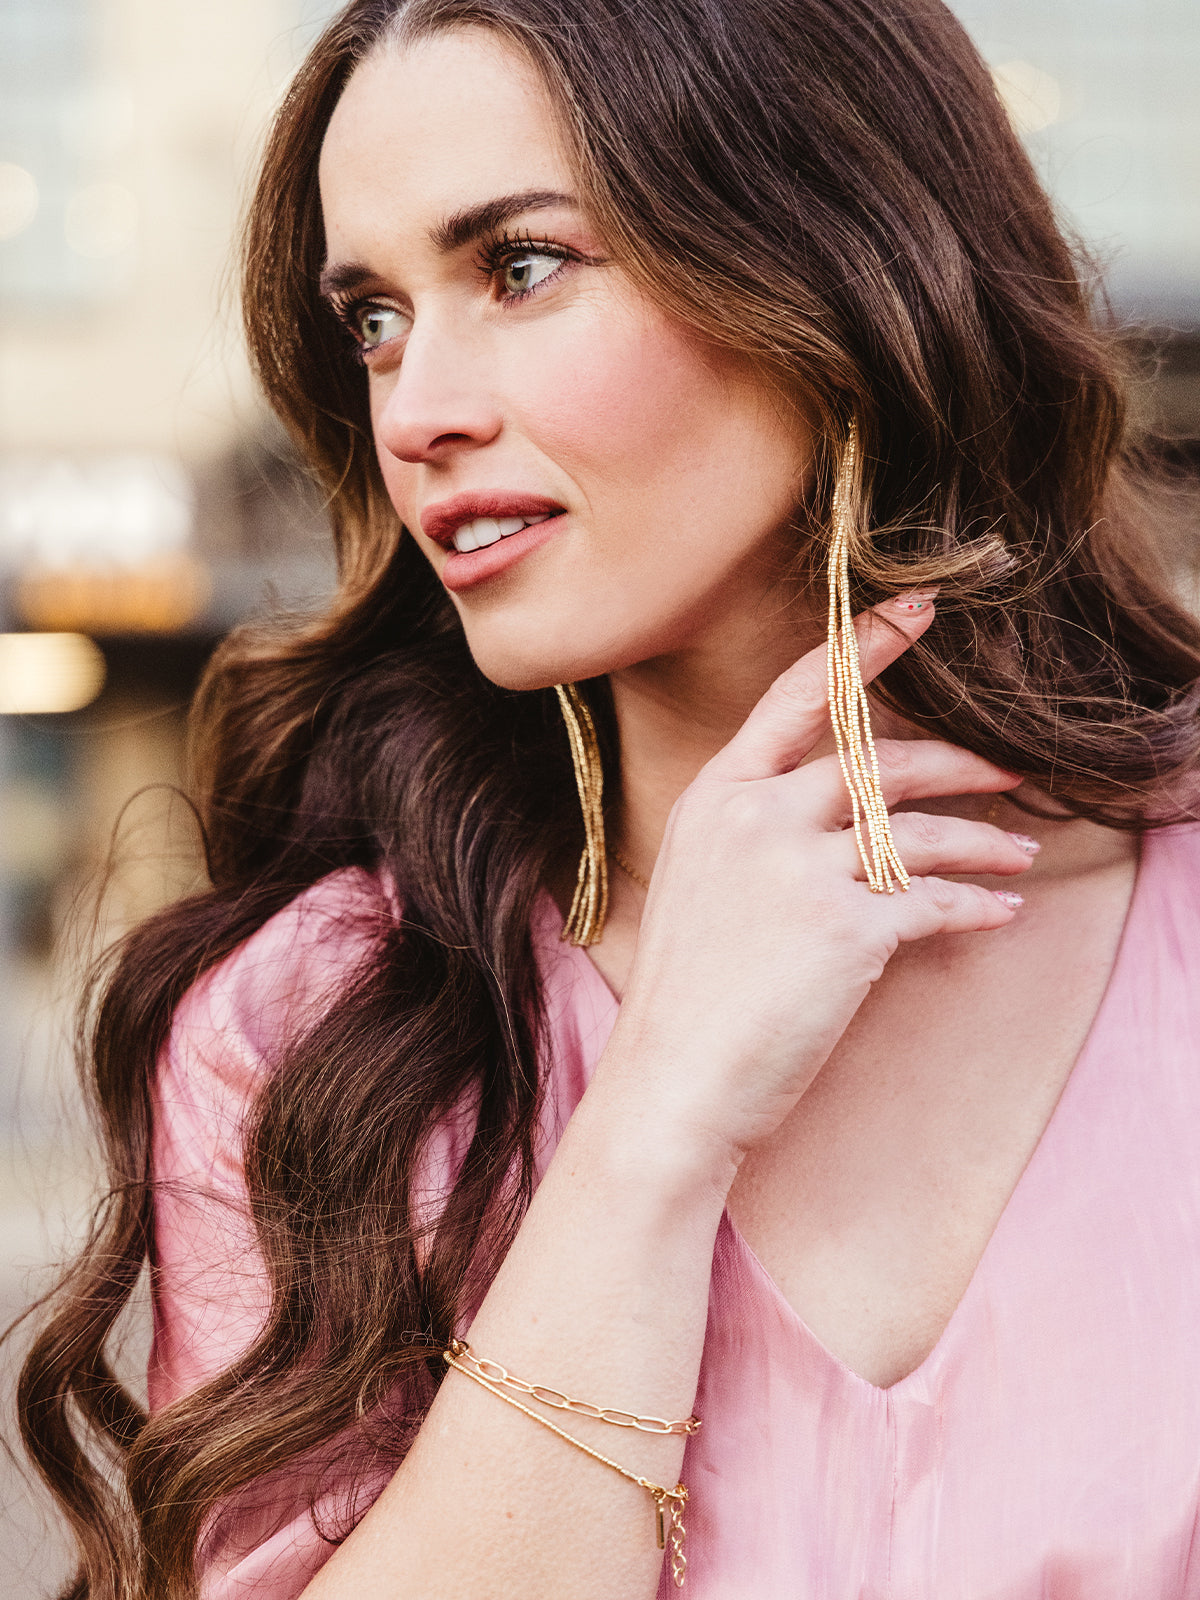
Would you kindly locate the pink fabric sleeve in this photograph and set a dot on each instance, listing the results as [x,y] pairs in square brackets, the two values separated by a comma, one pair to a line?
[209,1283]
[210,1295]
[210,1292]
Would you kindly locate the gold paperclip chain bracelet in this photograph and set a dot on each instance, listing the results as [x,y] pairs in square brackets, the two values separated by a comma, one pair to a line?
[667,1502]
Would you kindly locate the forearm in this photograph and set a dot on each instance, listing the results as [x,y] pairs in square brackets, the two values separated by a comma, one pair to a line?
[603,1296]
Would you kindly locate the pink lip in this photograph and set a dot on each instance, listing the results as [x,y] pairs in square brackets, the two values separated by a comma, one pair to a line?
[464,569]
[442,520]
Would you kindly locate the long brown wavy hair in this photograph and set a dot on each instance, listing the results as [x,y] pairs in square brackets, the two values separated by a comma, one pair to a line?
[833,188]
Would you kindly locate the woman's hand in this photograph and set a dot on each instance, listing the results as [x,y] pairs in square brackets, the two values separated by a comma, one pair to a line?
[760,939]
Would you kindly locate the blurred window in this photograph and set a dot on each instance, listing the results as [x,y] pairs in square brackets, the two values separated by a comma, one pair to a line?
[67,229]
[43,68]
[1105,95]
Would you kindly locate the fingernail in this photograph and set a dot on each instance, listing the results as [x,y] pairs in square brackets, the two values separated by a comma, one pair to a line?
[1024,842]
[1006,897]
[915,600]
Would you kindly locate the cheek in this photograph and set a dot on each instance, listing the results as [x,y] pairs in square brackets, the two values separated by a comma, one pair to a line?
[624,405]
[682,467]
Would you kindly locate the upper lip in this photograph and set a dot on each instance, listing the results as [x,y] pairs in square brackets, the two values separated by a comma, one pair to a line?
[442,520]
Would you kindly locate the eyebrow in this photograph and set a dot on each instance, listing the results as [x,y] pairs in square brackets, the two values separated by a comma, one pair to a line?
[464,227]
[459,229]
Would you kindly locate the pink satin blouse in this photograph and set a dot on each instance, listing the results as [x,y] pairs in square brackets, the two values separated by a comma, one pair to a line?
[1047,1449]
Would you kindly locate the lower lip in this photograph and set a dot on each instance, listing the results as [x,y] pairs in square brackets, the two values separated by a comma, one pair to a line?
[465,568]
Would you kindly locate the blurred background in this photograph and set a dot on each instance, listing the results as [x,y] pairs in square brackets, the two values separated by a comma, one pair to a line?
[147,502]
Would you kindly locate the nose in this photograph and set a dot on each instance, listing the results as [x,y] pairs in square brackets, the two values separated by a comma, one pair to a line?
[440,401]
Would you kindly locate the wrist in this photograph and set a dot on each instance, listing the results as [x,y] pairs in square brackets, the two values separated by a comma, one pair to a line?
[649,1140]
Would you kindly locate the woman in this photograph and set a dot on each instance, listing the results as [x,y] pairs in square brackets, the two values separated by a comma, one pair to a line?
[605,327]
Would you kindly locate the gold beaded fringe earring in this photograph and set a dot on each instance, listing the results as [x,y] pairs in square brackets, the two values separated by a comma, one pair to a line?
[848,710]
[589,907]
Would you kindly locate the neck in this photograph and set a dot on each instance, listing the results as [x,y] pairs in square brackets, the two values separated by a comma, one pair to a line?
[675,712]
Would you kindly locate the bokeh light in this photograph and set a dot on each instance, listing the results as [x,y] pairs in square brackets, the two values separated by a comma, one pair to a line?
[46,673]
[1032,98]
[18,199]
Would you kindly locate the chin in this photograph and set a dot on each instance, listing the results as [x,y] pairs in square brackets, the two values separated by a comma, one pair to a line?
[514,665]
[525,673]
[522,677]
[533,650]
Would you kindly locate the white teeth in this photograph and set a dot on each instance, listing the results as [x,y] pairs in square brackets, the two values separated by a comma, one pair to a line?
[487,530]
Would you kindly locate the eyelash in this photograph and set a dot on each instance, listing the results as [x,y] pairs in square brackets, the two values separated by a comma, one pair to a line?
[495,254]
[492,258]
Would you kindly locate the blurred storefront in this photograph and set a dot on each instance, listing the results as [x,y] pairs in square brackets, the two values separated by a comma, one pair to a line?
[146,505]
[1104,97]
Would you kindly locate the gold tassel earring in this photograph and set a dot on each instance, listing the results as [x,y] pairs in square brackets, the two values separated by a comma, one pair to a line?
[589,908]
[848,710]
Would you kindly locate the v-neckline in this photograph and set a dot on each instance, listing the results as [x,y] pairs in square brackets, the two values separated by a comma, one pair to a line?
[1070,1091]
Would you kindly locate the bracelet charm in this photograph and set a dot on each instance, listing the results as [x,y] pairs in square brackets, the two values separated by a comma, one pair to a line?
[668,1503]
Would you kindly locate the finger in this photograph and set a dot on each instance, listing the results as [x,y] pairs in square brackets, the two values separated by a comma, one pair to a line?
[931,845]
[933,905]
[794,713]
[919,769]
[909,769]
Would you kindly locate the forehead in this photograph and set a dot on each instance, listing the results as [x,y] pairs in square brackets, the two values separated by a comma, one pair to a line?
[435,125]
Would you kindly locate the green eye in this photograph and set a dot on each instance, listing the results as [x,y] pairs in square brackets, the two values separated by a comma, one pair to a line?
[524,272]
[378,324]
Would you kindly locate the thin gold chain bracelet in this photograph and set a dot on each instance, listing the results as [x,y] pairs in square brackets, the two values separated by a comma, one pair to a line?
[667,1502]
[495,1373]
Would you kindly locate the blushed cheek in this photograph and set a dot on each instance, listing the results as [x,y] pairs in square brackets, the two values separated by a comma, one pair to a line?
[629,404]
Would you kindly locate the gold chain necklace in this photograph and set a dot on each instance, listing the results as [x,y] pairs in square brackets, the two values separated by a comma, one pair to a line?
[630,872]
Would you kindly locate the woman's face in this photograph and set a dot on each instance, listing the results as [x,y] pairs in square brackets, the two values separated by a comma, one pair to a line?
[515,374]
